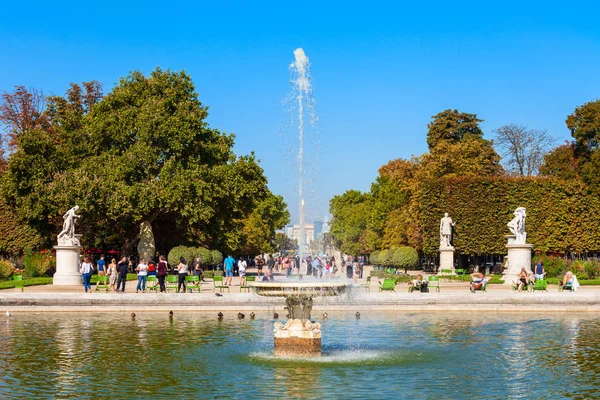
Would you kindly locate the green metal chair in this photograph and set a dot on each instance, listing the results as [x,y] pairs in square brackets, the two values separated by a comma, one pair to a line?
[218,284]
[18,279]
[367,284]
[540,284]
[461,273]
[387,285]
[152,283]
[434,282]
[102,283]
[193,282]
[244,285]
[171,282]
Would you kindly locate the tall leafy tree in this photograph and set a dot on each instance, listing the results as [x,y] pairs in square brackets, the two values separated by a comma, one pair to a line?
[144,152]
[452,126]
[584,124]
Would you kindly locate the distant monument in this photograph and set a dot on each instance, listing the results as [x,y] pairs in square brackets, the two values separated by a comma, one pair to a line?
[446,249]
[519,252]
[67,251]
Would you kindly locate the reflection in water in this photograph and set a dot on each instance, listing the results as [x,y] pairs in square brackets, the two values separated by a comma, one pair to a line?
[196,355]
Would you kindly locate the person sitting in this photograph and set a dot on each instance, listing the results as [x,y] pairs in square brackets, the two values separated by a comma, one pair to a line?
[419,284]
[570,281]
[478,281]
[523,280]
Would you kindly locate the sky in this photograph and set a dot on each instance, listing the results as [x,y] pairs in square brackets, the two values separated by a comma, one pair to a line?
[380,70]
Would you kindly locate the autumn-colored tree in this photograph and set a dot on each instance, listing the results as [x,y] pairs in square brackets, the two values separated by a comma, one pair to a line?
[562,163]
[22,110]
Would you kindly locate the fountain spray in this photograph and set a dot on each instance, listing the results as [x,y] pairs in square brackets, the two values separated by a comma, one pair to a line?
[302,87]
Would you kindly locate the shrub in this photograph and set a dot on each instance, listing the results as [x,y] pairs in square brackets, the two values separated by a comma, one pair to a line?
[405,258]
[37,264]
[6,269]
[206,255]
[180,251]
[379,274]
[374,257]
[217,257]
[382,258]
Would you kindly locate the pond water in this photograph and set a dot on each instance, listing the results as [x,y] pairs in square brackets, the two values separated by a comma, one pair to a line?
[381,355]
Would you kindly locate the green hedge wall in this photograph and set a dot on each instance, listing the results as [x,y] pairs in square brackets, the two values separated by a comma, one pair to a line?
[562,216]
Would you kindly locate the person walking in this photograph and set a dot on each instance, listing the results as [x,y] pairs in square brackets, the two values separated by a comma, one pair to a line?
[142,270]
[161,273]
[270,264]
[242,265]
[122,268]
[229,261]
[287,265]
[101,264]
[182,269]
[86,272]
[112,274]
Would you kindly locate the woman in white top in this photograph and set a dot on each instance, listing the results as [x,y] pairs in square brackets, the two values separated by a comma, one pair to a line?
[182,268]
[242,265]
[86,272]
[142,270]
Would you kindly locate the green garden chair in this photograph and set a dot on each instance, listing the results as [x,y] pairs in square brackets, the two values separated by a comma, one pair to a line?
[540,284]
[171,282]
[446,273]
[387,285]
[193,282]
[367,284]
[461,273]
[102,283]
[434,282]
[244,285]
[152,283]
[18,279]
[218,284]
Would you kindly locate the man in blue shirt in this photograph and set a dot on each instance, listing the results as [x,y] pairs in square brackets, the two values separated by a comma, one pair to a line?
[101,264]
[229,261]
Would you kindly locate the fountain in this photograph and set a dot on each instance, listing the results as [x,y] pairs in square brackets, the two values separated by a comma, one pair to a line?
[302,90]
[299,336]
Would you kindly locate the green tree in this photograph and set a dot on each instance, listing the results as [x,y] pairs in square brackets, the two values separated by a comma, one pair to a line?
[584,124]
[405,258]
[284,243]
[144,152]
[452,126]
[349,220]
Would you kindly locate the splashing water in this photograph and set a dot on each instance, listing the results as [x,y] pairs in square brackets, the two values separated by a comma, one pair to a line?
[301,83]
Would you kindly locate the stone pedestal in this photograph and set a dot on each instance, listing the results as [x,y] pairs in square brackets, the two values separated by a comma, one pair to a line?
[296,338]
[446,260]
[519,256]
[67,266]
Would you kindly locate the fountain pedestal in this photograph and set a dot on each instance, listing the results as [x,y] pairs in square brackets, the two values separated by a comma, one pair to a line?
[299,336]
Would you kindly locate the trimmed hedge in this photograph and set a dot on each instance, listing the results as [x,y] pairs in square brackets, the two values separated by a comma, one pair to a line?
[562,216]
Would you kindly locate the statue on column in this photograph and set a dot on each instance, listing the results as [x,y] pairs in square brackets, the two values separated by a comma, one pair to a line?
[446,225]
[67,236]
[517,225]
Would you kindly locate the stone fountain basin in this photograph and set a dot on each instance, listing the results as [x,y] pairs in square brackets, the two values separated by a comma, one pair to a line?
[304,289]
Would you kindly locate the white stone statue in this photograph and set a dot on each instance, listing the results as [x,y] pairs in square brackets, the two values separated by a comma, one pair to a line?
[446,225]
[517,225]
[67,236]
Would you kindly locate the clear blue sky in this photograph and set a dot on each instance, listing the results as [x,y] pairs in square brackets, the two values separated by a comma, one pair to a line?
[381,70]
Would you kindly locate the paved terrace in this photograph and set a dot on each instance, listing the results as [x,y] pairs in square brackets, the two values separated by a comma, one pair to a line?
[453,296]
